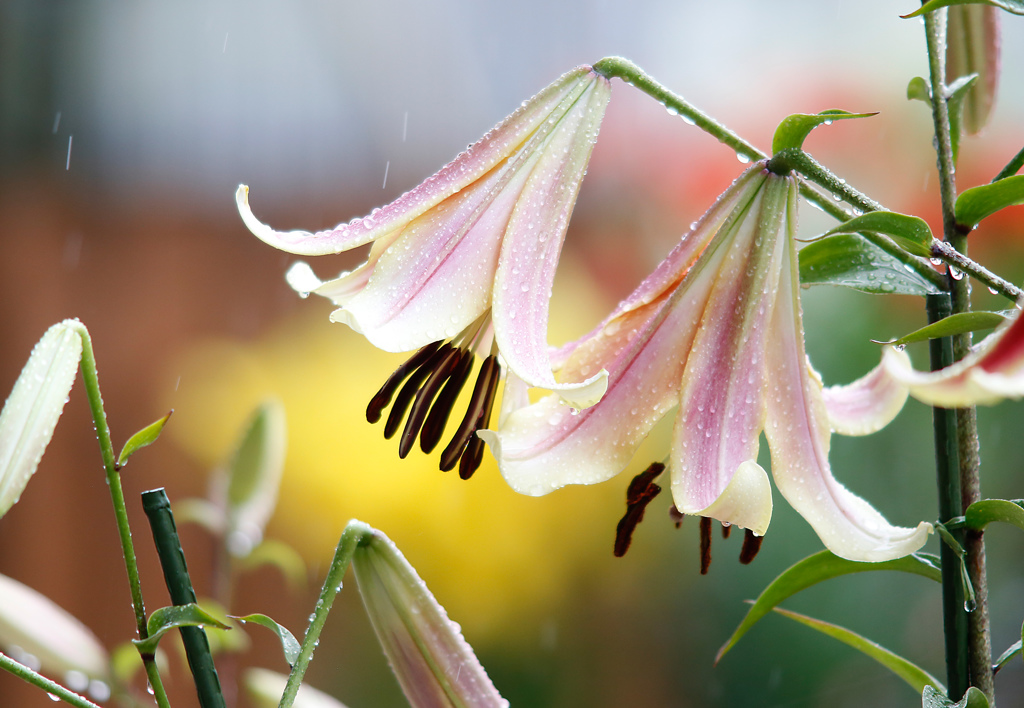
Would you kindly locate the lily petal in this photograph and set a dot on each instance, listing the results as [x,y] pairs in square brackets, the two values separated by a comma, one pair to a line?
[868,404]
[798,433]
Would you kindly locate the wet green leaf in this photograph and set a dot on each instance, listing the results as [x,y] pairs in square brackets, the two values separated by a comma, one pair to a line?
[1013,650]
[289,644]
[911,233]
[146,436]
[914,675]
[794,129]
[957,93]
[981,513]
[959,323]
[852,261]
[814,569]
[1015,7]
[919,90]
[174,617]
[976,203]
[36,402]
[931,698]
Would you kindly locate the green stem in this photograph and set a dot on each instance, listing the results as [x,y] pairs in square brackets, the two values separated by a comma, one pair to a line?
[978,640]
[1012,167]
[353,535]
[90,377]
[37,679]
[944,251]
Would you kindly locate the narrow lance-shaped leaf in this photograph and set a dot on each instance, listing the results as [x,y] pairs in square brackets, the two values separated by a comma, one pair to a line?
[289,644]
[1015,7]
[794,129]
[146,436]
[34,406]
[852,261]
[959,323]
[432,661]
[911,233]
[174,617]
[1011,651]
[957,93]
[813,570]
[977,203]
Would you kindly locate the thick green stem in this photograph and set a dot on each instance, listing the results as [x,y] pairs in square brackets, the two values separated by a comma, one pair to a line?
[947,468]
[90,377]
[36,679]
[979,647]
[353,535]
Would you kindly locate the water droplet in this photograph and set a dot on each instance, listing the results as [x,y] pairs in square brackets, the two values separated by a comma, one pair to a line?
[743,158]
[993,291]
[53,697]
[970,605]
[955,273]
[935,261]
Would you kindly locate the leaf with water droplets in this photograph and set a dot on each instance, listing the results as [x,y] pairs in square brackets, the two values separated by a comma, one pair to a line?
[34,406]
[173,617]
[794,129]
[1014,7]
[817,568]
[977,203]
[960,323]
[854,262]
[931,697]
[911,673]
[289,644]
[909,232]
[146,436]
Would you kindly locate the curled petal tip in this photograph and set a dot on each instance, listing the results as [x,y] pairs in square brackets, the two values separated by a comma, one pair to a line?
[746,501]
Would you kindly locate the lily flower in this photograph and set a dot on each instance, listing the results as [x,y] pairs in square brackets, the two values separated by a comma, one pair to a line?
[716,333]
[463,264]
[992,372]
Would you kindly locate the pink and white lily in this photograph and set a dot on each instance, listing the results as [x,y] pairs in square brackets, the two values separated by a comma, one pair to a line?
[992,372]
[468,256]
[715,333]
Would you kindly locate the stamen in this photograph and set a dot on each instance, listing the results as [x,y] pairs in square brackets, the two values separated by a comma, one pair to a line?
[437,419]
[473,455]
[382,398]
[676,516]
[726,530]
[751,545]
[412,386]
[638,495]
[705,544]
[483,396]
[425,396]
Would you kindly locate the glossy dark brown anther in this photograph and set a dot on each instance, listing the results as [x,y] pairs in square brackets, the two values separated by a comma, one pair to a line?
[639,494]
[437,419]
[382,398]
[471,458]
[425,397]
[676,516]
[412,386]
[483,395]
[705,544]
[473,455]
[726,530]
[751,545]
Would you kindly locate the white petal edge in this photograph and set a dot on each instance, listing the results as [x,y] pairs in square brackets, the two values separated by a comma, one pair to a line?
[266,687]
[745,502]
[868,404]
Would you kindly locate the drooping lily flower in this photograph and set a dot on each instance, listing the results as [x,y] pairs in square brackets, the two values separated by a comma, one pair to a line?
[468,256]
[715,332]
[992,372]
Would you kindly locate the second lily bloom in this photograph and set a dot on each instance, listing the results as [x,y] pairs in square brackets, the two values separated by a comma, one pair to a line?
[715,332]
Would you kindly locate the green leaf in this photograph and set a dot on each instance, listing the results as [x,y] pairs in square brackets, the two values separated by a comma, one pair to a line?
[254,475]
[815,569]
[911,233]
[794,129]
[31,412]
[289,644]
[914,675]
[981,513]
[852,261]
[957,92]
[1004,658]
[919,90]
[976,203]
[146,436]
[974,698]
[175,616]
[959,323]
[1015,7]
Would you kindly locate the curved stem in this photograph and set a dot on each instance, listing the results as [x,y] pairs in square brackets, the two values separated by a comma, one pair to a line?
[51,687]
[90,377]
[353,535]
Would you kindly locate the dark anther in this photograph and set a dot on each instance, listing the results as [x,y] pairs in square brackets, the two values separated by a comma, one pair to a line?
[676,516]
[479,411]
[433,428]
[751,545]
[705,544]
[412,386]
[426,395]
[382,398]
[638,495]
[726,530]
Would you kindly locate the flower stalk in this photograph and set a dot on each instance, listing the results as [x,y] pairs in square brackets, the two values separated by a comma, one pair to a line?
[56,691]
